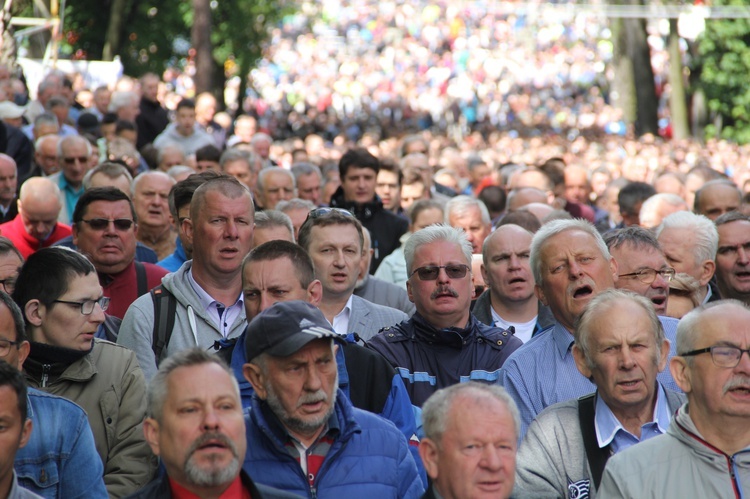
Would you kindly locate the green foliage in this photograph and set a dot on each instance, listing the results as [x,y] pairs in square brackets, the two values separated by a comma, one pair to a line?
[724,57]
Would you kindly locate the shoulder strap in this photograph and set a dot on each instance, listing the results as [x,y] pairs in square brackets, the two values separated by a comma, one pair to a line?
[165,307]
[140,277]
[597,457]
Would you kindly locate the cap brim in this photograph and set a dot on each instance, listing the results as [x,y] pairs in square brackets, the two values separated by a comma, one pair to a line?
[298,340]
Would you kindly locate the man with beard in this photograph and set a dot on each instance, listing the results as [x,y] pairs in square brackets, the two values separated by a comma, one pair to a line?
[304,435]
[194,423]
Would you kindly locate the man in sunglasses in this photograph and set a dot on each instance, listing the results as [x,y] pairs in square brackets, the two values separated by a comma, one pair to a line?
[73,156]
[36,225]
[104,225]
[443,343]
[63,305]
[710,435]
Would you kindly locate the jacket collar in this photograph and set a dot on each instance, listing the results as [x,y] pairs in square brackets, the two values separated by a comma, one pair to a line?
[453,337]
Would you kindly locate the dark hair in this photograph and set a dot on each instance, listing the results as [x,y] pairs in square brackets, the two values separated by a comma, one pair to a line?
[389,165]
[47,273]
[635,236]
[125,125]
[632,194]
[359,157]
[423,205]
[188,103]
[7,246]
[555,170]
[12,377]
[18,323]
[109,118]
[100,194]
[522,218]
[208,153]
[276,249]
[731,216]
[181,193]
[334,217]
[494,198]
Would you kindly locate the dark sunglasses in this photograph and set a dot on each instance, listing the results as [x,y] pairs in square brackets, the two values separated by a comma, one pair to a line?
[431,272]
[322,212]
[102,223]
[80,159]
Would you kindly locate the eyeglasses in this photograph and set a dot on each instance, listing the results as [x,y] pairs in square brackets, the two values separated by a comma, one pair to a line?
[322,212]
[431,272]
[647,276]
[87,306]
[9,284]
[80,159]
[122,224]
[5,346]
[722,355]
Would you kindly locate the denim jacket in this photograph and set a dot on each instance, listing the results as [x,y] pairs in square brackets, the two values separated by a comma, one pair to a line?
[60,459]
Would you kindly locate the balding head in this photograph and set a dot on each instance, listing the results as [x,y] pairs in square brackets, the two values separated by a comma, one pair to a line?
[39,206]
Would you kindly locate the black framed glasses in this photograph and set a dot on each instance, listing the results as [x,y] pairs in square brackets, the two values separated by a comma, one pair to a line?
[9,284]
[322,212]
[721,355]
[647,276]
[431,272]
[121,224]
[5,346]
[87,306]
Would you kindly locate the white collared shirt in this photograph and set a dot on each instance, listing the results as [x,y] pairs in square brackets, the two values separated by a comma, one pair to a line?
[211,307]
[341,320]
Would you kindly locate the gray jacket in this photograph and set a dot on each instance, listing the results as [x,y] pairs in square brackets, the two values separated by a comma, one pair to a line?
[483,312]
[385,293]
[366,318]
[192,325]
[677,464]
[552,459]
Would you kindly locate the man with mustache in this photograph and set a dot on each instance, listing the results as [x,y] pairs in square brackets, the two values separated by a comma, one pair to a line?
[571,265]
[304,435]
[710,434]
[195,424]
[443,343]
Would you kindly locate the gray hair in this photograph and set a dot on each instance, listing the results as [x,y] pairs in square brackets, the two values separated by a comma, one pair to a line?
[705,237]
[295,204]
[260,137]
[304,168]
[273,218]
[553,228]
[432,234]
[46,119]
[179,170]
[436,409]
[108,169]
[599,305]
[461,204]
[653,203]
[44,138]
[267,171]
[137,180]
[157,388]
[171,146]
[121,99]
[635,236]
[64,141]
[237,155]
[689,326]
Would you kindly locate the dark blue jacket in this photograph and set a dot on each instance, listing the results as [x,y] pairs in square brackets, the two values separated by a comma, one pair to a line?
[430,359]
[369,457]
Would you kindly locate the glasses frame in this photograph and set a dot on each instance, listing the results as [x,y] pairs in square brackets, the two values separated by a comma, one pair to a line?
[466,269]
[3,281]
[115,221]
[6,344]
[713,359]
[103,304]
[325,211]
[642,275]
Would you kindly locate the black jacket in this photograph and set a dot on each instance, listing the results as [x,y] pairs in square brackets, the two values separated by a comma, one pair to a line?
[429,359]
[151,122]
[385,228]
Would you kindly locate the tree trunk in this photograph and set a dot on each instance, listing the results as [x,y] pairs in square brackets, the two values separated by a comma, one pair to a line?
[643,77]
[113,38]
[8,48]
[623,83]
[677,99]
[200,35]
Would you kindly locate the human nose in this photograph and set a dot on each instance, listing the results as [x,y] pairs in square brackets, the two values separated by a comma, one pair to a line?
[265,301]
[491,458]
[514,262]
[626,358]
[660,282]
[210,419]
[313,381]
[574,269]
[230,230]
[97,315]
[742,256]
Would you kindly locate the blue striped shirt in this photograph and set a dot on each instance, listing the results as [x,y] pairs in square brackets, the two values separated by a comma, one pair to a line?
[543,372]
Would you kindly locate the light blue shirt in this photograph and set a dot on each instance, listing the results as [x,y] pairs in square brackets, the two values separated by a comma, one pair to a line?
[226,318]
[543,372]
[72,195]
[609,430]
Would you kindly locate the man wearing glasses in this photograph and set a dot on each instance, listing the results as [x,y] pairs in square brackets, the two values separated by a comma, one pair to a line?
[63,304]
[641,265]
[443,343]
[104,231]
[73,156]
[36,226]
[705,452]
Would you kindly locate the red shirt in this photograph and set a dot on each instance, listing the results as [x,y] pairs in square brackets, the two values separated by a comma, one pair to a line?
[234,491]
[28,244]
[122,288]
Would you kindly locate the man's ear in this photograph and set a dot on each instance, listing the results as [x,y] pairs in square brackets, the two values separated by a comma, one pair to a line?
[429,452]
[315,293]
[485,274]
[25,433]
[151,434]
[707,271]
[187,229]
[34,312]
[408,291]
[254,375]
[74,226]
[681,373]
[581,363]
[539,292]
[23,353]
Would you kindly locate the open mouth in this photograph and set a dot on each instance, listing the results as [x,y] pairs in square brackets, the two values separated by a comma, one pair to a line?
[583,292]
[659,301]
[743,274]
[517,280]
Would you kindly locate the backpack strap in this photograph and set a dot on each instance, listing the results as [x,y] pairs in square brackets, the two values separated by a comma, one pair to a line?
[597,456]
[141,278]
[165,307]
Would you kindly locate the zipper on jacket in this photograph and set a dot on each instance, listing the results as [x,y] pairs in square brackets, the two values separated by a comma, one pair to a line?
[46,368]
[313,492]
[735,485]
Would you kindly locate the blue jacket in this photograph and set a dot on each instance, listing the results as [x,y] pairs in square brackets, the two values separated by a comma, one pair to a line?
[174,261]
[378,388]
[60,459]
[368,458]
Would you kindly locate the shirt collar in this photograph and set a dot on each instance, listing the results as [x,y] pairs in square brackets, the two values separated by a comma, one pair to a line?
[562,338]
[206,300]
[607,425]
[65,185]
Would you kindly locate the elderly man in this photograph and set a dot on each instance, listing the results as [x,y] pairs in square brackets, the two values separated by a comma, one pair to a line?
[658,207]
[104,226]
[571,265]
[183,131]
[308,178]
[206,292]
[125,104]
[45,156]
[733,256]
[710,434]
[358,170]
[689,242]
[568,444]
[469,448]
[73,156]
[510,302]
[195,424]
[274,184]
[63,305]
[8,188]
[271,225]
[297,210]
[716,198]
[334,240]
[241,165]
[36,226]
[205,110]
[151,200]
[470,215]
[641,265]
[443,343]
[305,435]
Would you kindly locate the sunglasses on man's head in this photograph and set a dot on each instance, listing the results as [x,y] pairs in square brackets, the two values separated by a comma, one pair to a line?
[321,212]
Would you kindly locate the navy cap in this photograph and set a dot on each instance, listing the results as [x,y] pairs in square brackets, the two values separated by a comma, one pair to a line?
[285,327]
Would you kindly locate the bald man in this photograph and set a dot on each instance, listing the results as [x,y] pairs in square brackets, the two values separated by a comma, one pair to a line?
[36,224]
[8,186]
